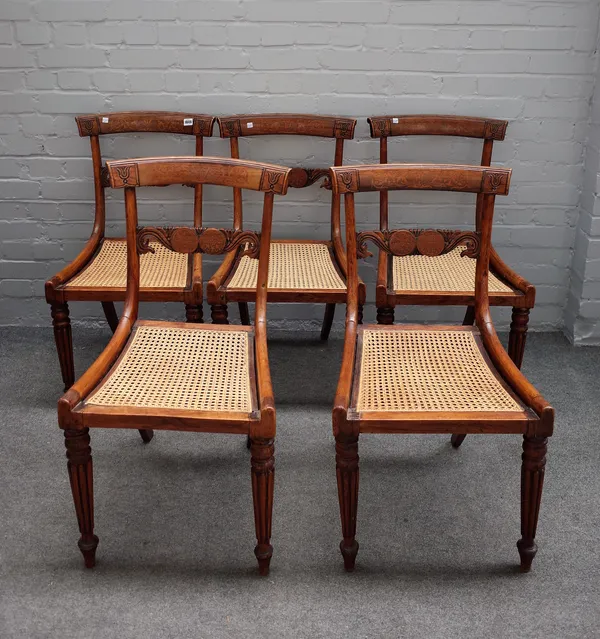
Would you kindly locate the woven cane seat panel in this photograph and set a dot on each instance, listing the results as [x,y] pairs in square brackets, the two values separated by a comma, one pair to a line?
[420,370]
[448,272]
[180,368]
[291,266]
[161,269]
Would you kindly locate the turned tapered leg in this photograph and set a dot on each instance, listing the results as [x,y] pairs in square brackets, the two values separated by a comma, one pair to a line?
[218,314]
[111,315]
[532,481]
[327,321]
[469,319]
[79,465]
[518,335]
[263,474]
[244,313]
[346,460]
[64,342]
[193,313]
[385,315]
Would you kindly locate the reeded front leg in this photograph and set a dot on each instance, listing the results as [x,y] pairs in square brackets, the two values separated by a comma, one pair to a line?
[64,342]
[518,335]
[244,313]
[193,313]
[385,315]
[218,314]
[263,475]
[79,465]
[346,459]
[532,481]
[327,321]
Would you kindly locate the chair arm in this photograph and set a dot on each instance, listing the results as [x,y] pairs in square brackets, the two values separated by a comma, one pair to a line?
[344,387]
[221,274]
[501,268]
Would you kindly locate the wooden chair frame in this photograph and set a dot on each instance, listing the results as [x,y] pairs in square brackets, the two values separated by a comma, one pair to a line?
[522,299]
[76,416]
[534,422]
[218,293]
[58,295]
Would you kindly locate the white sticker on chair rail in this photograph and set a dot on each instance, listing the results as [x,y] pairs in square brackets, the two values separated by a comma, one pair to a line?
[188,121]
[250,125]
[394,120]
[104,120]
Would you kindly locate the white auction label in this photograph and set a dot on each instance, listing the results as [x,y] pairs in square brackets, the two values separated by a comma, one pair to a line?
[188,121]
[104,120]
[395,120]
[249,125]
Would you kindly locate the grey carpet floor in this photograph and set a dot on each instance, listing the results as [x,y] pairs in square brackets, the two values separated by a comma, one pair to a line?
[437,527]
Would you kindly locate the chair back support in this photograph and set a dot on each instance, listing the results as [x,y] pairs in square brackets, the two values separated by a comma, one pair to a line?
[95,125]
[487,182]
[130,174]
[324,126]
[385,126]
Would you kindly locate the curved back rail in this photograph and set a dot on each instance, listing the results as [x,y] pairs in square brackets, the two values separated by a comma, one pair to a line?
[385,126]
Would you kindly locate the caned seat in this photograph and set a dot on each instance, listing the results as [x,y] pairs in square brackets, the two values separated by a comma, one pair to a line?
[308,271]
[427,379]
[193,377]
[99,272]
[182,367]
[450,273]
[418,370]
[447,279]
[292,265]
[108,268]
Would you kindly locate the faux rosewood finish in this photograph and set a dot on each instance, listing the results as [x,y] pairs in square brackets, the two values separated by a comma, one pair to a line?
[418,242]
[75,415]
[218,291]
[518,334]
[94,126]
[451,125]
[183,239]
[534,420]
[64,342]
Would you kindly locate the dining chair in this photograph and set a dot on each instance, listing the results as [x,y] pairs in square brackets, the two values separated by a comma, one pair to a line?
[447,279]
[307,271]
[427,378]
[175,375]
[98,273]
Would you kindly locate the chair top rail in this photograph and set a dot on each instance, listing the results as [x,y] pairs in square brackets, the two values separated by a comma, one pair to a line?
[432,177]
[162,171]
[145,122]
[326,126]
[451,125]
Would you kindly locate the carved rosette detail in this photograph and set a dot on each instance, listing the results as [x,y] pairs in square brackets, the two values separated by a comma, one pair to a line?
[88,125]
[382,127]
[299,177]
[494,130]
[231,128]
[419,242]
[348,181]
[343,129]
[126,175]
[186,239]
[272,181]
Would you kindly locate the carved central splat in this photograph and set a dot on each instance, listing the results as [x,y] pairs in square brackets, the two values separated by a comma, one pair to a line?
[419,242]
[188,239]
[299,178]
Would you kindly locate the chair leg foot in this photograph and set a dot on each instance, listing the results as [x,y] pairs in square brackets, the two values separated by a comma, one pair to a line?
[146,434]
[327,321]
[263,476]
[469,319]
[518,335]
[64,342]
[79,465]
[346,460]
[218,314]
[385,315]
[244,313]
[532,481]
[457,440]
[111,315]
[193,313]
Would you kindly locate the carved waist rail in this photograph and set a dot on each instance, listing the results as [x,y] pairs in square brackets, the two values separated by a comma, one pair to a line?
[431,242]
[187,239]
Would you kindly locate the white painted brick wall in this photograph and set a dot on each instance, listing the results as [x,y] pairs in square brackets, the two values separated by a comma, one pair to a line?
[532,62]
